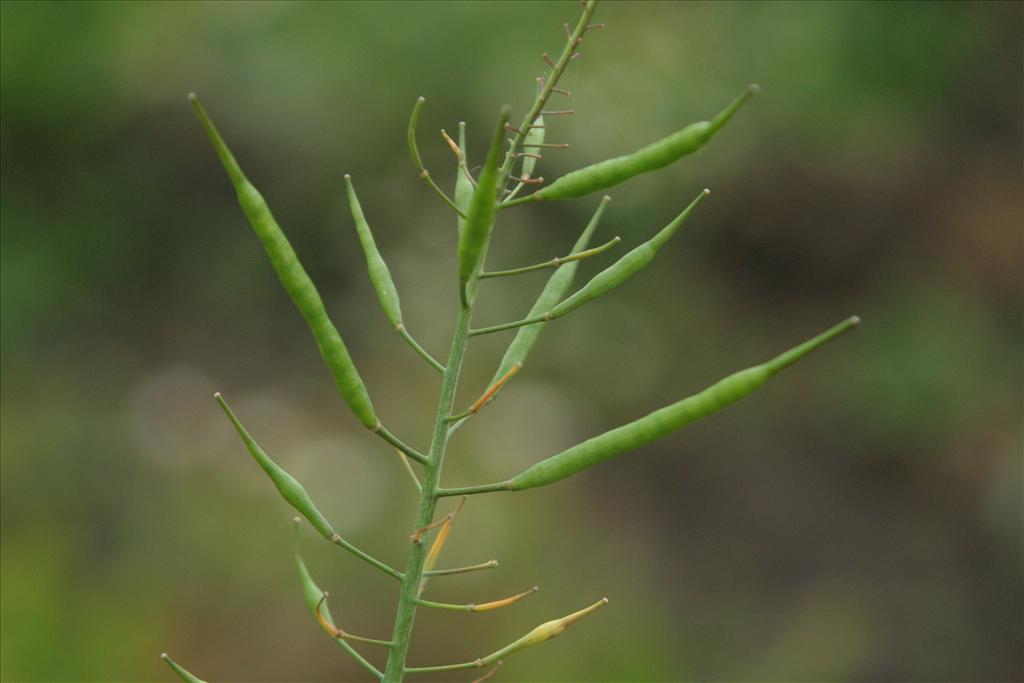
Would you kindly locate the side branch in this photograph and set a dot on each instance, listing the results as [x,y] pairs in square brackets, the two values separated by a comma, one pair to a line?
[419,349]
[470,490]
[555,262]
[381,431]
[490,564]
[366,557]
[417,161]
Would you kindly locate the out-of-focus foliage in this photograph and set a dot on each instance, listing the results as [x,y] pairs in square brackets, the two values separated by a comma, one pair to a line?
[859,519]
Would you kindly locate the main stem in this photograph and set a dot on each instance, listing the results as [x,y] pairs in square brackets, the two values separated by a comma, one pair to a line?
[395,668]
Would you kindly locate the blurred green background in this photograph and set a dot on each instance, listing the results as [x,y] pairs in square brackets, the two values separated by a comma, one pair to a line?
[859,519]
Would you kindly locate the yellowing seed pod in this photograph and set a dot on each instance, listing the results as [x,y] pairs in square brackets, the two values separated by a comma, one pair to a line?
[668,419]
[654,156]
[294,278]
[545,631]
[287,485]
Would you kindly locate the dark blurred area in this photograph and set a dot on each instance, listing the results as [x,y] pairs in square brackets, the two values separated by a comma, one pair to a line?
[858,519]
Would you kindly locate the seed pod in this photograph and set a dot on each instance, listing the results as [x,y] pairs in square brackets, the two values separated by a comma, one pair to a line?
[668,419]
[311,593]
[380,276]
[182,673]
[294,278]
[545,631]
[289,488]
[531,144]
[654,156]
[463,185]
[612,276]
[476,231]
[554,290]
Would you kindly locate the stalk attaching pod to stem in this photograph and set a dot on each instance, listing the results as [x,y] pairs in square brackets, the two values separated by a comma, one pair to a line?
[294,278]
[630,436]
[652,157]
[181,671]
[417,161]
[287,485]
[476,231]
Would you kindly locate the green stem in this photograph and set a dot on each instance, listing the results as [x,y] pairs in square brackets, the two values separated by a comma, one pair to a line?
[407,602]
[555,262]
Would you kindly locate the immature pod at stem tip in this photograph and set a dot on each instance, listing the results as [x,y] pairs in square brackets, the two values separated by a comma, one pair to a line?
[293,277]
[380,276]
[670,418]
[311,593]
[289,487]
[654,156]
[628,265]
[181,671]
[476,231]
[463,185]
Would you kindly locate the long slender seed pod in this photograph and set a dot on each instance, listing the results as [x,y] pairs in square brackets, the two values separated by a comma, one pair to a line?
[627,266]
[534,137]
[463,185]
[630,436]
[294,278]
[181,671]
[289,488]
[654,156]
[476,231]
[558,284]
[380,276]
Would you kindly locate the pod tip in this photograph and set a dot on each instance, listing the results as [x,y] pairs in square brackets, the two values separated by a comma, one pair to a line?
[296,519]
[493,563]
[606,198]
[192,97]
[163,655]
[855,320]
[421,99]
[754,88]
[217,395]
[604,601]
[706,192]
[535,589]
[348,176]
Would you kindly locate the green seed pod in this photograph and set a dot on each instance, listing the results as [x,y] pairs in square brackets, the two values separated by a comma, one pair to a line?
[463,185]
[380,276]
[545,631]
[625,267]
[289,488]
[654,156]
[311,593]
[294,278]
[668,419]
[476,231]
[554,290]
[531,145]
[181,671]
